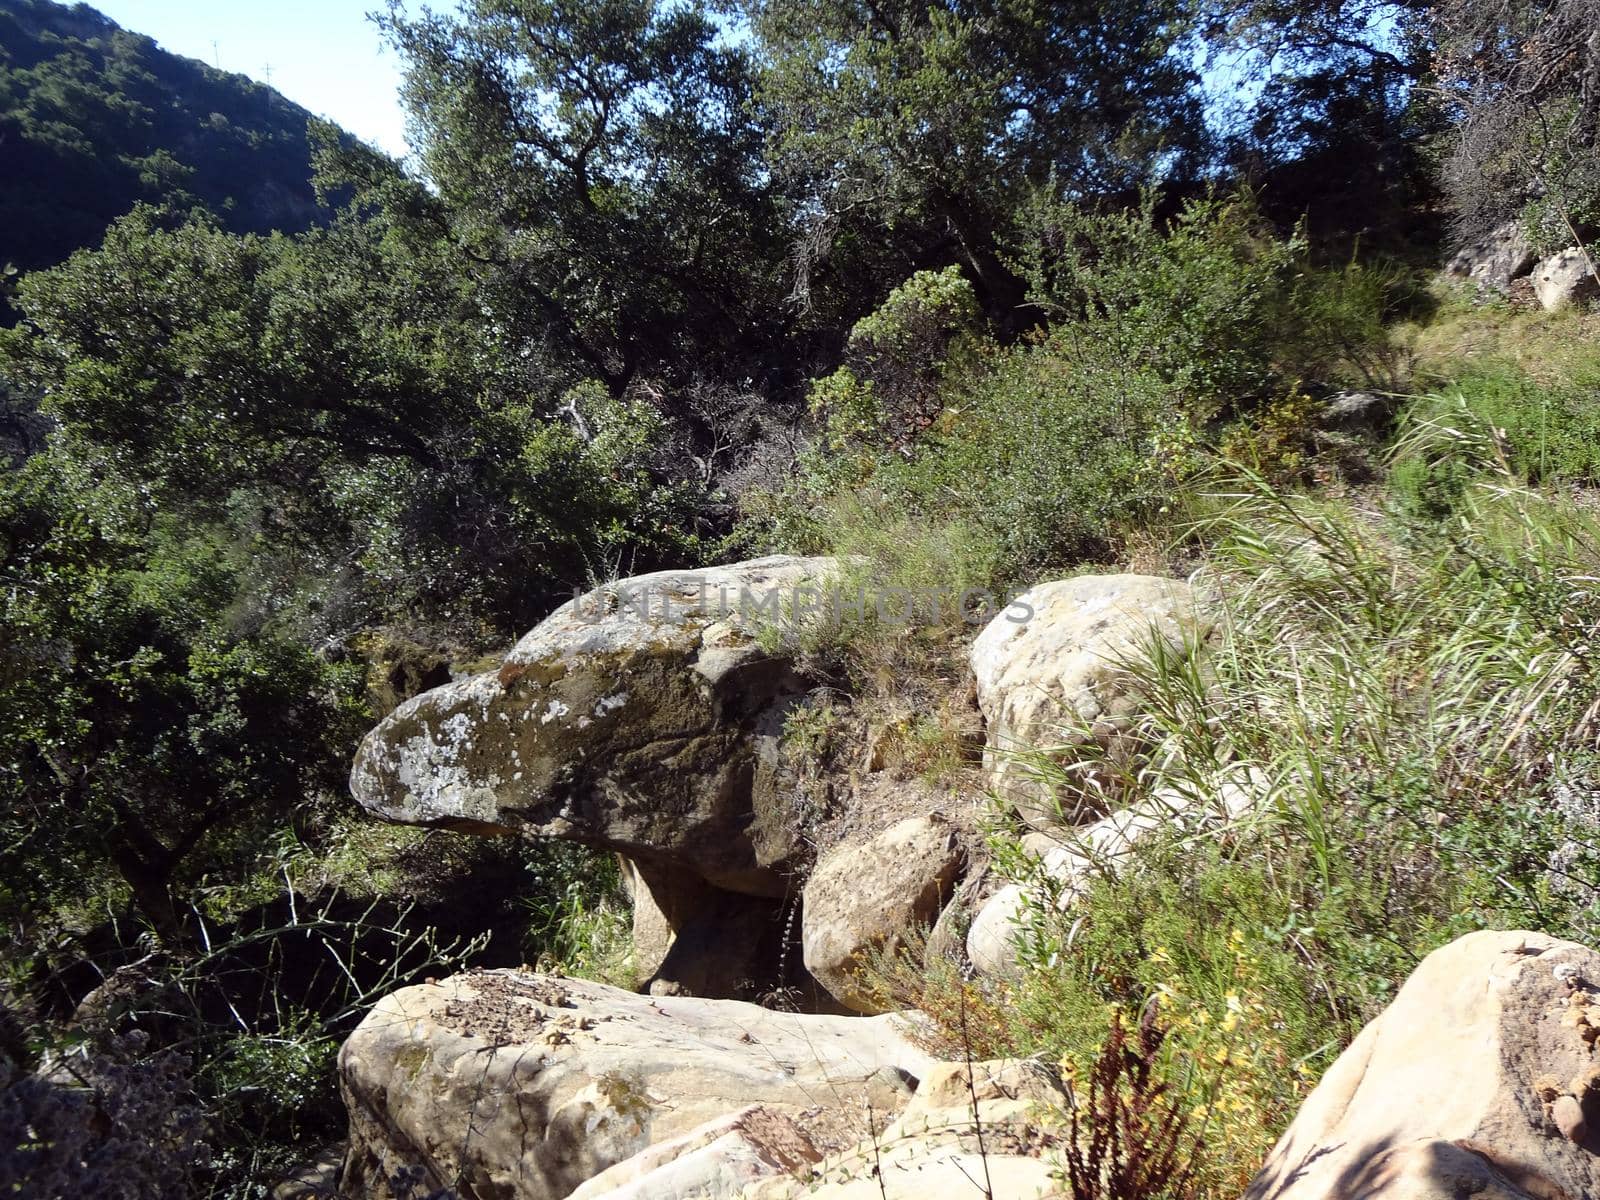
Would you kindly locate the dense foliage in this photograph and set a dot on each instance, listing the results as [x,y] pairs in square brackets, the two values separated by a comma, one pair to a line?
[978,292]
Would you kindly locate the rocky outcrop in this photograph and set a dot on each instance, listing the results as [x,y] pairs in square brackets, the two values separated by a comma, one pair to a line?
[1566,279]
[865,898]
[644,717]
[1495,261]
[1068,861]
[641,717]
[525,1086]
[934,1150]
[1481,1079]
[1058,678]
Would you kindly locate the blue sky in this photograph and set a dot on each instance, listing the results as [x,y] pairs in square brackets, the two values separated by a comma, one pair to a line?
[322,54]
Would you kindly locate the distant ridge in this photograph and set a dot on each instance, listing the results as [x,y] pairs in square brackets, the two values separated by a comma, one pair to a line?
[94,118]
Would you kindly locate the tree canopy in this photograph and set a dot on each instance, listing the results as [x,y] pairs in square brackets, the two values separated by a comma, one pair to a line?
[942,116]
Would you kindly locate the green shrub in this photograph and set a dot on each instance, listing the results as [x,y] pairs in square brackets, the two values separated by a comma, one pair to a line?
[1495,416]
[1212,301]
[1051,452]
[579,917]
[1051,458]
[1034,460]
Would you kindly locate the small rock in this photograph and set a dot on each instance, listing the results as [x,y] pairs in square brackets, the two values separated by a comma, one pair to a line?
[1567,1113]
[863,898]
[1566,279]
[717,1161]
[933,1150]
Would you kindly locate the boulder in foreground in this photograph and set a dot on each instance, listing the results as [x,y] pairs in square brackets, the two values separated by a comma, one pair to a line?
[524,1086]
[1481,1079]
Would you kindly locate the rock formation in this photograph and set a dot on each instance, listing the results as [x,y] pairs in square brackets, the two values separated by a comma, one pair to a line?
[1566,279]
[643,717]
[646,719]
[1497,260]
[1059,679]
[633,718]
[525,1086]
[1481,1079]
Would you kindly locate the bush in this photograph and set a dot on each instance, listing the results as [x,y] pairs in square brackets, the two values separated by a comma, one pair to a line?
[1053,451]
[580,920]
[1212,302]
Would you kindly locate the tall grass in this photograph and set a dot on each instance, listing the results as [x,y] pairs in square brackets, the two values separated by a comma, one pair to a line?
[1416,705]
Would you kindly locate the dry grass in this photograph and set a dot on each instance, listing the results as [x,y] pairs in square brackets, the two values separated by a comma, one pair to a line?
[1549,347]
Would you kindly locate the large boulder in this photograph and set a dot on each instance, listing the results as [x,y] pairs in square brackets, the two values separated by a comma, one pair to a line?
[1496,260]
[865,898]
[1566,279]
[1481,1079]
[642,717]
[1052,673]
[525,1086]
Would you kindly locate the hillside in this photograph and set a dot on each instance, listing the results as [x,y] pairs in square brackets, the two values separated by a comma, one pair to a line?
[885,609]
[94,118]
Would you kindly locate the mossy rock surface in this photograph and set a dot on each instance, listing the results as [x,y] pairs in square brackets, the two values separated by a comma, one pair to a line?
[635,718]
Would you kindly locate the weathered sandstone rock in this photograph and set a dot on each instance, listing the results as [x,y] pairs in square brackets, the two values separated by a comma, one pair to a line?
[717,1161]
[862,898]
[931,1151]
[642,718]
[1058,678]
[523,1086]
[1565,279]
[1481,1079]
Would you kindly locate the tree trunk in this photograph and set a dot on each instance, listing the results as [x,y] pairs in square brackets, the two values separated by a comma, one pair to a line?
[1000,292]
[148,874]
